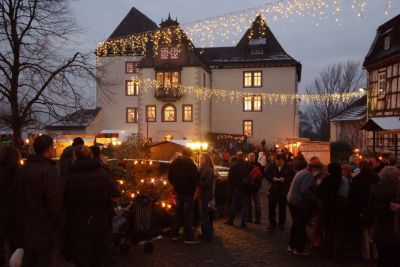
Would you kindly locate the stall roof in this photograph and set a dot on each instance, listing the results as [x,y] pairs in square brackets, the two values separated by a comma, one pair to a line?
[177,142]
[354,112]
[78,120]
[391,124]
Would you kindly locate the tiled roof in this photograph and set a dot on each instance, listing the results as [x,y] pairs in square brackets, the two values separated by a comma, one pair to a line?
[77,120]
[377,51]
[356,111]
[134,22]
[272,53]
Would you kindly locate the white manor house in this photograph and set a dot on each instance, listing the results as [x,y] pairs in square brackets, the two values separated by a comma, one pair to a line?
[169,107]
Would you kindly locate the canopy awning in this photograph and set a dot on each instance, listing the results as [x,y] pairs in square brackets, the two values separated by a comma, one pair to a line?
[386,124]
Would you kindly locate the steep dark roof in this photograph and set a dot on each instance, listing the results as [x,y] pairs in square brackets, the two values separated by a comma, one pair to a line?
[134,22]
[273,53]
[377,52]
[77,120]
[356,111]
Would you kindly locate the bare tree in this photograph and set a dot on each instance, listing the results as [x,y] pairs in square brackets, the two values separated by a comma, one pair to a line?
[38,72]
[306,129]
[337,78]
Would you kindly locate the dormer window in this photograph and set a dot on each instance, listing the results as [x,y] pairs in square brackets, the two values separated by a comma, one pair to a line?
[387,42]
[257,50]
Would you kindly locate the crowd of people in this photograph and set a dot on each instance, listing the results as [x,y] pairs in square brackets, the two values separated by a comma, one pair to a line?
[56,210]
[64,209]
[342,204]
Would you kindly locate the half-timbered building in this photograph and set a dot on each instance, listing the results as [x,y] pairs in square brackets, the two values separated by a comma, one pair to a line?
[383,65]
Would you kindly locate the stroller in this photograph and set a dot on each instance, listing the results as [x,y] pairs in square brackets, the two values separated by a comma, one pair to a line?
[132,224]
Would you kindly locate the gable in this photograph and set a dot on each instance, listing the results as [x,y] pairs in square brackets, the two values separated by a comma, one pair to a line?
[133,23]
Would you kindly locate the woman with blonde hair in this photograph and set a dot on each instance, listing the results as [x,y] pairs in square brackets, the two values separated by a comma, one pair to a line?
[206,185]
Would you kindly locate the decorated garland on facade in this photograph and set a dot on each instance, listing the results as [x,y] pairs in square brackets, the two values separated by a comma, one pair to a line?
[236,96]
[227,28]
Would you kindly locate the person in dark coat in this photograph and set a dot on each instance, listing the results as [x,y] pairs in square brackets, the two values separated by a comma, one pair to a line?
[9,163]
[333,211]
[279,176]
[184,176]
[66,159]
[39,216]
[240,199]
[88,205]
[206,185]
[383,218]
[358,204]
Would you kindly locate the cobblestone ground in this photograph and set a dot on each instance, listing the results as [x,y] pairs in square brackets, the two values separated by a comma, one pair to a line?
[232,246]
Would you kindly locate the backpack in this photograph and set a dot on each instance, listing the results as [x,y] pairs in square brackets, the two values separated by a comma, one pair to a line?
[251,183]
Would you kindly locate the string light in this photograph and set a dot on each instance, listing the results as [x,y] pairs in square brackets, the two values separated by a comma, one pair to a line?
[388,5]
[226,28]
[240,139]
[236,95]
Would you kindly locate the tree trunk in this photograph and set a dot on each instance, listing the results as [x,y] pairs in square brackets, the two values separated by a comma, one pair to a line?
[17,137]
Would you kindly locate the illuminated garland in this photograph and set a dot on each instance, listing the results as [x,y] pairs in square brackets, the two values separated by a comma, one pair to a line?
[236,96]
[137,43]
[229,27]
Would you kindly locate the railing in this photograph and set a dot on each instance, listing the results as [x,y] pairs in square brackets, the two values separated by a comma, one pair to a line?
[168,94]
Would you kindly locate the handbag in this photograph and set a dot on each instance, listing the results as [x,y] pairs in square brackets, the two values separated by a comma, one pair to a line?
[16,258]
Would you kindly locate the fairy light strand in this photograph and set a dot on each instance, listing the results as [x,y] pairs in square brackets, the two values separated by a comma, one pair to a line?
[236,96]
[228,28]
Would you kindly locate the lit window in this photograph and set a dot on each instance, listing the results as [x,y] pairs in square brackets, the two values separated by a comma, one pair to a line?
[257,79]
[248,79]
[187,113]
[167,79]
[387,43]
[160,79]
[131,115]
[252,103]
[257,103]
[175,79]
[248,128]
[252,79]
[164,53]
[131,67]
[247,103]
[151,113]
[174,52]
[132,87]
[169,113]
